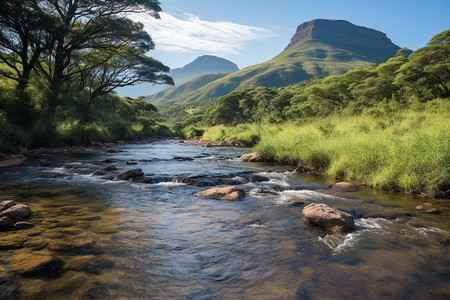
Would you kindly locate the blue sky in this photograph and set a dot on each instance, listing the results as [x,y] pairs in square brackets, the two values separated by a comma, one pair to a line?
[248,32]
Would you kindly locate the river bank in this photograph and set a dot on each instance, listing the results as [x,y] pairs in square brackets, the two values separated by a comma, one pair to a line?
[407,151]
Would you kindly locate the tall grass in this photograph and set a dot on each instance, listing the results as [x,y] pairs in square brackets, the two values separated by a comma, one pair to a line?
[408,151]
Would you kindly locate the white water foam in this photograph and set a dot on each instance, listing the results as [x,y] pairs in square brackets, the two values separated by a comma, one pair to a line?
[169,183]
[340,242]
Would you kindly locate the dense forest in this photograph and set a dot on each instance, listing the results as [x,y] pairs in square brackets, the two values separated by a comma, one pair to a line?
[60,62]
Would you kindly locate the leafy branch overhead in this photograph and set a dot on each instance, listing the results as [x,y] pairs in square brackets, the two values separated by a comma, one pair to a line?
[89,44]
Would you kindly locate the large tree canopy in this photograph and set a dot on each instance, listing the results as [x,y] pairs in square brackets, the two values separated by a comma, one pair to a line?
[91,44]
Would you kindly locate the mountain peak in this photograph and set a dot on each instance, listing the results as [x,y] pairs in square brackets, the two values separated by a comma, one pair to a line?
[202,65]
[342,32]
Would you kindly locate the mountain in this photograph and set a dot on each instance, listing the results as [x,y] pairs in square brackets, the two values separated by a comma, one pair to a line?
[318,47]
[203,65]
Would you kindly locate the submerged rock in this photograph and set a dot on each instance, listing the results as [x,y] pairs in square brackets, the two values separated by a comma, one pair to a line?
[329,218]
[132,162]
[23,225]
[230,193]
[44,163]
[31,264]
[345,187]
[433,211]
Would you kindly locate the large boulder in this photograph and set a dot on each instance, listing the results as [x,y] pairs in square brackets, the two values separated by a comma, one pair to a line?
[345,187]
[230,193]
[331,219]
[31,264]
[16,212]
[129,174]
[251,157]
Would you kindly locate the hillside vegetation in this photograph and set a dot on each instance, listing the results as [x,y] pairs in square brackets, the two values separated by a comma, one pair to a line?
[313,52]
[385,125]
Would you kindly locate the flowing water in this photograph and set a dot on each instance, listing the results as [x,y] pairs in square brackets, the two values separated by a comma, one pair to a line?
[125,240]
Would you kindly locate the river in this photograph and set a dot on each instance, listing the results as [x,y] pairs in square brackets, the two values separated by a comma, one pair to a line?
[127,240]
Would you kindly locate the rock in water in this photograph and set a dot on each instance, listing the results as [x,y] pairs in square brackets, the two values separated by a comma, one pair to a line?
[30,264]
[17,212]
[230,193]
[251,157]
[23,225]
[6,204]
[345,187]
[331,219]
[129,174]
[6,223]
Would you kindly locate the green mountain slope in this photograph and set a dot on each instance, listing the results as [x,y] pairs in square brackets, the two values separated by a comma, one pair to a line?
[203,65]
[318,48]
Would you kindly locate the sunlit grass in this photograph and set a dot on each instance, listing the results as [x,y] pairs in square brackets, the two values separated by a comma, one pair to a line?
[409,151]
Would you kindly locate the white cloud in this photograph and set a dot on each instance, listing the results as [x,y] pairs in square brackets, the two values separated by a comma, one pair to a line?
[189,33]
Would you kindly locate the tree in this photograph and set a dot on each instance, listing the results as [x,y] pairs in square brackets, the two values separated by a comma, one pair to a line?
[91,43]
[89,40]
[427,72]
[23,27]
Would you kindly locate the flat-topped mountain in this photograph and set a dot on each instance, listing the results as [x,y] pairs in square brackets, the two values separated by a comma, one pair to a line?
[343,32]
[359,39]
[203,65]
[318,48]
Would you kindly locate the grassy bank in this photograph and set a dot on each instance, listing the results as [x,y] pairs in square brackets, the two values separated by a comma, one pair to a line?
[408,151]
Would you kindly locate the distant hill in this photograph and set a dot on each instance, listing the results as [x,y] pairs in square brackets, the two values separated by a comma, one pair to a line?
[203,65]
[319,47]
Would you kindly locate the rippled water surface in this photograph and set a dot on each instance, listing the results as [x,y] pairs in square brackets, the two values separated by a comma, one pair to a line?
[120,239]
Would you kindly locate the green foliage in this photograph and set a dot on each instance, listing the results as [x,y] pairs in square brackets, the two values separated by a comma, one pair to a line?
[109,119]
[385,125]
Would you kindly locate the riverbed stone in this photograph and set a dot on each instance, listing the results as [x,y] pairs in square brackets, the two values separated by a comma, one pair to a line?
[345,187]
[12,242]
[79,263]
[296,203]
[327,217]
[129,174]
[6,204]
[116,210]
[433,211]
[6,223]
[16,212]
[419,207]
[23,225]
[230,193]
[76,244]
[44,163]
[33,264]
[251,157]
